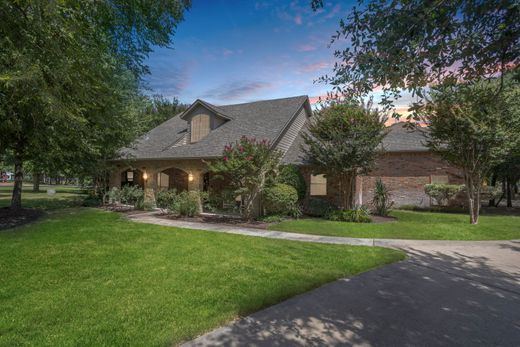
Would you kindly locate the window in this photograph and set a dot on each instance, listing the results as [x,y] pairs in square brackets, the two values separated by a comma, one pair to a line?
[130,176]
[199,127]
[439,179]
[163,180]
[318,185]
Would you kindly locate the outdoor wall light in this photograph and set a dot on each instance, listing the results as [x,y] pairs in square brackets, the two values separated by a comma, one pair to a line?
[190,177]
[145,176]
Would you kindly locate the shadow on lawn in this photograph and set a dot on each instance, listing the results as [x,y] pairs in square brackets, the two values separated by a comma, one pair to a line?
[433,298]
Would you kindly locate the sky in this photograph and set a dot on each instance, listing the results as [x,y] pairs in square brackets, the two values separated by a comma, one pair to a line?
[231,51]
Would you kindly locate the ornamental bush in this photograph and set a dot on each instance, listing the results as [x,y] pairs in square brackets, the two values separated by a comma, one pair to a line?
[317,207]
[442,193]
[187,204]
[280,199]
[291,175]
[132,195]
[166,198]
[356,215]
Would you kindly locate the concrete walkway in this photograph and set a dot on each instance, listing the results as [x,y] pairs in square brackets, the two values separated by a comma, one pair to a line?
[447,293]
[152,218]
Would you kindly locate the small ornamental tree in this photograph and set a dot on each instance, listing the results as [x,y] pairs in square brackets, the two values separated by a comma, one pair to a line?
[248,164]
[343,140]
[473,128]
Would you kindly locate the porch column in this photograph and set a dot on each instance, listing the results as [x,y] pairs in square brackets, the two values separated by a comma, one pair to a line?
[150,185]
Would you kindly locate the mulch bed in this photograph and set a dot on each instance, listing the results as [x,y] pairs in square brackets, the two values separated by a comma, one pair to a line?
[10,219]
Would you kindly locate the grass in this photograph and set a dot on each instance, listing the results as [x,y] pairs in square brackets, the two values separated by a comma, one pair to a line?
[66,196]
[85,277]
[413,225]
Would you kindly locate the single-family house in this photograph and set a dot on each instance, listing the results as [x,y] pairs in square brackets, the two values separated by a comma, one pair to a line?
[175,154]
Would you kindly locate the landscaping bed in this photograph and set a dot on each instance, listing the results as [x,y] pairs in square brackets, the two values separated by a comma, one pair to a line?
[11,219]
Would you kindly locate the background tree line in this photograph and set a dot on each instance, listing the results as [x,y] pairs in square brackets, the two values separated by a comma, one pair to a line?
[71,78]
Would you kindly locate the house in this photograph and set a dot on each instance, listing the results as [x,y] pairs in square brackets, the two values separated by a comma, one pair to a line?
[174,154]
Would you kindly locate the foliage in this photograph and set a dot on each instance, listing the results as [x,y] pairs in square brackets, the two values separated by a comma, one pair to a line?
[221,201]
[490,192]
[411,45]
[291,175]
[166,198]
[114,195]
[413,226]
[473,128]
[280,199]
[442,193]
[159,109]
[343,141]
[70,73]
[355,215]
[132,195]
[100,264]
[317,207]
[274,218]
[381,200]
[188,203]
[248,164]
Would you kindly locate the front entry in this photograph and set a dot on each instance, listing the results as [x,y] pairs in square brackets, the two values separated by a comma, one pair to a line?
[172,178]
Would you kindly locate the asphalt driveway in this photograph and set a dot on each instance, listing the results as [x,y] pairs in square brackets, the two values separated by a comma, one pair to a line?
[445,294]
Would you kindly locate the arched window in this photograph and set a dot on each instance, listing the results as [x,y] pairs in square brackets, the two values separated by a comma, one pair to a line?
[200,127]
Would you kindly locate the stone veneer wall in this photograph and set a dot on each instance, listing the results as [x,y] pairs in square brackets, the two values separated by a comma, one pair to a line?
[404,173]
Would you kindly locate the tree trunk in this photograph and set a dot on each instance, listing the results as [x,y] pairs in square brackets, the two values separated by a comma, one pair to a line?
[16,200]
[493,184]
[36,182]
[508,193]
[473,198]
[347,188]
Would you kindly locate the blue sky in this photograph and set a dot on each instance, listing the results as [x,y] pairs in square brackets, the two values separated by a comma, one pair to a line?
[229,51]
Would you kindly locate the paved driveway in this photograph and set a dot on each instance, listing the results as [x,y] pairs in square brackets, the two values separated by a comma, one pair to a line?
[445,294]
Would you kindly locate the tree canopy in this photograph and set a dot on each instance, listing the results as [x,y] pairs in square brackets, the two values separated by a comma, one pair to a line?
[343,140]
[70,75]
[412,45]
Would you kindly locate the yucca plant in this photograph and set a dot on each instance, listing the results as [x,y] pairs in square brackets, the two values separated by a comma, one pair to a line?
[381,200]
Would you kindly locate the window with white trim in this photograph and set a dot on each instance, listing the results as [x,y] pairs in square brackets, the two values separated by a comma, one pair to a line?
[200,127]
[318,185]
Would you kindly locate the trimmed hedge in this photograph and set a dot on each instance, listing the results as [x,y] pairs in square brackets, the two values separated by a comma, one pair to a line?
[280,199]
[291,175]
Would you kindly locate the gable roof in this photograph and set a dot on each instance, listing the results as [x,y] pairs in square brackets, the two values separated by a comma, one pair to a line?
[260,119]
[398,139]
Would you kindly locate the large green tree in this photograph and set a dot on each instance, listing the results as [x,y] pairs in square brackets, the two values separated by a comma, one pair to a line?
[343,140]
[473,128]
[402,45]
[70,73]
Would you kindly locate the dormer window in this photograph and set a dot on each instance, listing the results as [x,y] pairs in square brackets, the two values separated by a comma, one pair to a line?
[200,127]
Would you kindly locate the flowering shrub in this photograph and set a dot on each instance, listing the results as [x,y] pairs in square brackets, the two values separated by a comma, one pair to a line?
[248,164]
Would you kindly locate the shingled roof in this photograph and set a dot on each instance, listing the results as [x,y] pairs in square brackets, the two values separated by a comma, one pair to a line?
[261,119]
[398,139]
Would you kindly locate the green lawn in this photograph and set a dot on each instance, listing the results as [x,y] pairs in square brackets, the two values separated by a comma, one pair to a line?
[66,196]
[85,277]
[413,225]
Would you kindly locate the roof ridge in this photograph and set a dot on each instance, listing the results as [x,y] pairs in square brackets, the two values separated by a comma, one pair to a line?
[265,100]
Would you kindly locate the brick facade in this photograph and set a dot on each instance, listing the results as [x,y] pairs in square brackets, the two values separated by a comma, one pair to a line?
[404,173]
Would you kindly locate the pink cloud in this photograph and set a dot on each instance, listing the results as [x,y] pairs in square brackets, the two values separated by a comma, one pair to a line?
[298,19]
[307,48]
[315,66]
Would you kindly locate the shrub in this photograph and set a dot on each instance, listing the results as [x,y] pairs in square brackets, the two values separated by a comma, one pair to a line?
[132,195]
[187,203]
[442,193]
[291,175]
[272,219]
[356,215]
[317,207]
[381,200]
[166,198]
[280,199]
[114,195]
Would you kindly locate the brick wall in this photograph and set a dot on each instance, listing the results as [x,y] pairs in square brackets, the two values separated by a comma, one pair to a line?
[405,174]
